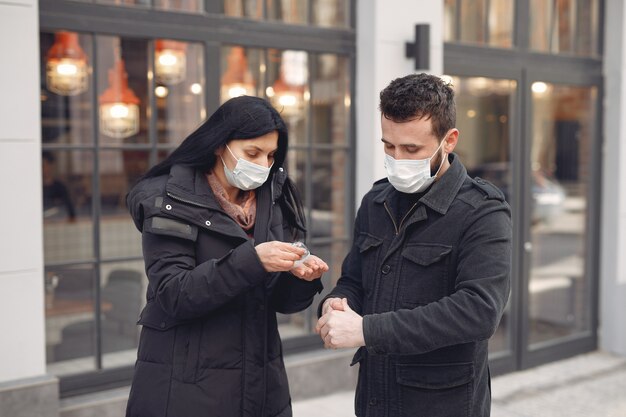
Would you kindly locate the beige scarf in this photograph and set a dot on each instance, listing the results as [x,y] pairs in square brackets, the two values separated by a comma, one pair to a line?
[243,211]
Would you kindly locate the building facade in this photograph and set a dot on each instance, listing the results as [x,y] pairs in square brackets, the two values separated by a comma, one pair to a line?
[97,91]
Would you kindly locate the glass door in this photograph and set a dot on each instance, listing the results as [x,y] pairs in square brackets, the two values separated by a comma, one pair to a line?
[560,179]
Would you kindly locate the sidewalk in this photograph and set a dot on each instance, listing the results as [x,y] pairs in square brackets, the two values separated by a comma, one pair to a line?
[590,385]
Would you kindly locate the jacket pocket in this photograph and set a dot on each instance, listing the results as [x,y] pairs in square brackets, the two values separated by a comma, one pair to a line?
[369,249]
[424,276]
[435,390]
[186,334]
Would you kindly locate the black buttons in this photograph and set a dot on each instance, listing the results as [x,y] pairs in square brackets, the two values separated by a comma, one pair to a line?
[385,270]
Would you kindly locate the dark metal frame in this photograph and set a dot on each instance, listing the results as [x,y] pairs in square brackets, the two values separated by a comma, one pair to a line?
[526,66]
[213,30]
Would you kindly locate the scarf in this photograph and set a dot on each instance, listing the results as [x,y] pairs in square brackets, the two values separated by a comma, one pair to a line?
[243,212]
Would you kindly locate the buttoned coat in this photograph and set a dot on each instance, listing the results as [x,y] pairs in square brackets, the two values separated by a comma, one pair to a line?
[209,344]
[432,289]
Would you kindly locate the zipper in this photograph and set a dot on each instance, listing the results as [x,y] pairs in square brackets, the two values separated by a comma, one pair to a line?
[401,221]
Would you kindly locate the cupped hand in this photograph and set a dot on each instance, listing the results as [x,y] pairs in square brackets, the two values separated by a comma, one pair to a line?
[311,269]
[278,256]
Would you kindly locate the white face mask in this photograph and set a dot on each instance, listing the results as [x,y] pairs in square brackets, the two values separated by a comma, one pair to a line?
[246,175]
[411,175]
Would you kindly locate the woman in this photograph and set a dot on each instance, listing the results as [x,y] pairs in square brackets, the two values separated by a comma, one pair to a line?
[217,219]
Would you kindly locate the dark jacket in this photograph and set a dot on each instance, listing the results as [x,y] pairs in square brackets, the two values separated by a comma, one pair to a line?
[209,344]
[432,290]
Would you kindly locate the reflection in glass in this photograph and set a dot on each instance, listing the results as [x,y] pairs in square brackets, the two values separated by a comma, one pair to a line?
[564,26]
[252,9]
[66,65]
[180,106]
[240,75]
[288,11]
[288,89]
[67,198]
[170,61]
[139,3]
[66,97]
[180,5]
[484,109]
[119,171]
[70,308]
[123,287]
[331,13]
[122,90]
[482,22]
[296,165]
[330,100]
[562,136]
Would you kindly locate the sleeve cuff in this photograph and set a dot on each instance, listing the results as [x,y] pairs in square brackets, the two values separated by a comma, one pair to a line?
[373,333]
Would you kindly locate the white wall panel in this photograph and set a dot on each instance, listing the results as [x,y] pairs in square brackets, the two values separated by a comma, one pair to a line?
[19,71]
[383,29]
[22,350]
[22,353]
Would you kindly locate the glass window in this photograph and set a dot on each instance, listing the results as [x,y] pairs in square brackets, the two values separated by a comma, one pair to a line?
[288,11]
[482,22]
[243,72]
[564,26]
[122,289]
[70,319]
[66,93]
[331,13]
[119,170]
[288,90]
[122,90]
[562,137]
[67,182]
[484,111]
[180,5]
[179,89]
[252,9]
[136,3]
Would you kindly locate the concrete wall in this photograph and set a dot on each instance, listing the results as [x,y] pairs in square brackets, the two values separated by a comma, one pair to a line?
[383,28]
[21,259]
[613,241]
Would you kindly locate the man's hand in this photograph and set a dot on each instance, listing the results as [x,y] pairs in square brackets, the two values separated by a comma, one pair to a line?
[311,269]
[331,303]
[341,328]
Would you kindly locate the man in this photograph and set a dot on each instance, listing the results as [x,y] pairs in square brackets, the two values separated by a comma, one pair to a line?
[427,278]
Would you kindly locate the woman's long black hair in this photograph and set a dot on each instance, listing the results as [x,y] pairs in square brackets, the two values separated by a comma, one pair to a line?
[242,117]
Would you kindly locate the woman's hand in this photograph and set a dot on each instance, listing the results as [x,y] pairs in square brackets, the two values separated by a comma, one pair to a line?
[311,269]
[278,256]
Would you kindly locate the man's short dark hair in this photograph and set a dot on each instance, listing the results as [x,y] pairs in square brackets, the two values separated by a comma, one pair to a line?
[418,96]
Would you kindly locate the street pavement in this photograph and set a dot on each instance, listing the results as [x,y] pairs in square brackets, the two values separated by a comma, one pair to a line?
[589,385]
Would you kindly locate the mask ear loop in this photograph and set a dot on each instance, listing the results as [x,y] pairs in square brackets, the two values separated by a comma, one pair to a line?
[442,158]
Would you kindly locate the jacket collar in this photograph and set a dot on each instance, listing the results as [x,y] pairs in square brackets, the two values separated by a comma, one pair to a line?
[443,191]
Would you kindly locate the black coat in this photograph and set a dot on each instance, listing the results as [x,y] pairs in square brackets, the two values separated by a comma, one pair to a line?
[431,290]
[209,345]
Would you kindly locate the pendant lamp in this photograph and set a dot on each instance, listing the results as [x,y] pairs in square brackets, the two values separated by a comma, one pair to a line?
[66,65]
[170,61]
[287,94]
[237,80]
[119,106]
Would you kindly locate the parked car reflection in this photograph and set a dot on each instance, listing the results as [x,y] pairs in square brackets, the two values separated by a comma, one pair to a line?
[547,193]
